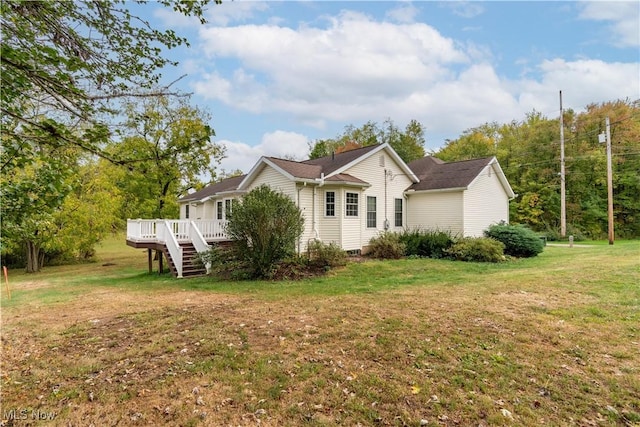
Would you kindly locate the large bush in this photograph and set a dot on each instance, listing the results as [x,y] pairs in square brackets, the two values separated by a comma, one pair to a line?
[519,241]
[480,249]
[265,226]
[426,243]
[326,255]
[387,245]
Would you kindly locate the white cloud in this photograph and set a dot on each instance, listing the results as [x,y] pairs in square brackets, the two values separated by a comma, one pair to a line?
[582,82]
[465,9]
[623,15]
[234,11]
[333,73]
[405,13]
[356,69]
[279,143]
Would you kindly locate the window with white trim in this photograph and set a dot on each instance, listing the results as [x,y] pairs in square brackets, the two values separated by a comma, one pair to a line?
[227,208]
[330,203]
[186,211]
[371,212]
[351,204]
[398,212]
[219,211]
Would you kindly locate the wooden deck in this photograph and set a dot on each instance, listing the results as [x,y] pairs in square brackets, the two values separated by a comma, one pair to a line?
[178,240]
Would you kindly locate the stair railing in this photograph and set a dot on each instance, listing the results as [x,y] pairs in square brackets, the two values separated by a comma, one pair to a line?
[201,245]
[165,234]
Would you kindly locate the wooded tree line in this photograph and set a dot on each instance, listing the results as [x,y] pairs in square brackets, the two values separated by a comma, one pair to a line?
[529,153]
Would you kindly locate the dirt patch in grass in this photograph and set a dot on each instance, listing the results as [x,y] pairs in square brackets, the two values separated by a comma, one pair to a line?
[431,356]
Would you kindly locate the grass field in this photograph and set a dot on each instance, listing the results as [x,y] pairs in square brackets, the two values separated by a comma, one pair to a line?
[553,340]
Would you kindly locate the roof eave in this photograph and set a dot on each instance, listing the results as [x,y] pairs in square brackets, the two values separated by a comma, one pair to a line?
[436,190]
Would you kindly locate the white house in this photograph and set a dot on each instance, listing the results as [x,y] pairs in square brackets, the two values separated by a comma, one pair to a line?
[350,197]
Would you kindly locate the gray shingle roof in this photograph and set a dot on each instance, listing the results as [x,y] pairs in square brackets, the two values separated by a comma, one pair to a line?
[228,184]
[435,174]
[334,162]
[297,169]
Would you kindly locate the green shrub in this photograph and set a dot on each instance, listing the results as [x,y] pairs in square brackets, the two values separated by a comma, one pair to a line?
[426,243]
[265,227]
[480,249]
[326,256]
[519,241]
[224,263]
[387,245]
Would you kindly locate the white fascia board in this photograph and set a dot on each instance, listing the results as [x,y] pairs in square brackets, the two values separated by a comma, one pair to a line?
[254,170]
[257,168]
[438,190]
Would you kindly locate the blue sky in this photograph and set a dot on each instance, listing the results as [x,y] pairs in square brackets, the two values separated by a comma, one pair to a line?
[276,76]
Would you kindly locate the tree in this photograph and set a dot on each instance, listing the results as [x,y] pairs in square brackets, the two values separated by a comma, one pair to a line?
[30,196]
[174,139]
[87,215]
[265,227]
[65,63]
[529,153]
[65,69]
[408,144]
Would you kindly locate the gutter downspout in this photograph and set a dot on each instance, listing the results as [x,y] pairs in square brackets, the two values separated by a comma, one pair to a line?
[315,224]
[298,203]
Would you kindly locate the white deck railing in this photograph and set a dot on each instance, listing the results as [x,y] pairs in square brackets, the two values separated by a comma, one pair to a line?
[172,232]
[145,230]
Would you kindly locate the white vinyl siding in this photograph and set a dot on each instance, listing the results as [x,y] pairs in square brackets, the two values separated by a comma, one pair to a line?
[485,203]
[329,227]
[375,172]
[371,212]
[305,204]
[436,211]
[351,226]
[275,180]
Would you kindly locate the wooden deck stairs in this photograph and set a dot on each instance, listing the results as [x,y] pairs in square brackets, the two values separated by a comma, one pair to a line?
[190,265]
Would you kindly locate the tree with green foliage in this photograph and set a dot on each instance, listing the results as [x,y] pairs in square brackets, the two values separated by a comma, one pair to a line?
[174,139]
[529,153]
[30,196]
[408,144]
[88,214]
[64,65]
[265,227]
[65,69]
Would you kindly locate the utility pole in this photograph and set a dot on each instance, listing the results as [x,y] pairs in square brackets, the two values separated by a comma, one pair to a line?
[609,182]
[563,193]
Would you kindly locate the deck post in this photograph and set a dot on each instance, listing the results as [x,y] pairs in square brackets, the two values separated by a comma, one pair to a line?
[150,260]
[160,266]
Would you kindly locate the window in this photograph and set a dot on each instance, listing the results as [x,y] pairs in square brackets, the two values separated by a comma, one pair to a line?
[351,204]
[398,212]
[186,211]
[371,212]
[227,207]
[219,210]
[330,203]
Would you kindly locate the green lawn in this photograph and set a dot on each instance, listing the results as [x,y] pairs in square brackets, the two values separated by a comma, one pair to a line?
[552,340]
